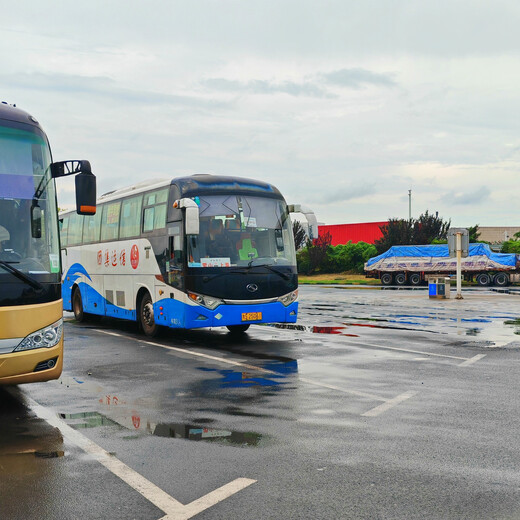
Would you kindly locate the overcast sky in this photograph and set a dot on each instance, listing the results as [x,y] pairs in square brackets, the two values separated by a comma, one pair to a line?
[343,105]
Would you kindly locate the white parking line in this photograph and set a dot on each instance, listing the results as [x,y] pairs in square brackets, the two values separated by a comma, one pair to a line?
[378,410]
[472,360]
[340,389]
[173,508]
[409,351]
[391,402]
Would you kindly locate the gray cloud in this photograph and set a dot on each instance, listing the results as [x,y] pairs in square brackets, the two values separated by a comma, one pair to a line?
[357,78]
[267,87]
[351,192]
[101,87]
[467,198]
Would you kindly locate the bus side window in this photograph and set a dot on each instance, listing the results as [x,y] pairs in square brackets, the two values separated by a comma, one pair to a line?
[130,217]
[110,221]
[154,216]
[175,243]
[149,214]
[91,227]
[64,228]
[75,231]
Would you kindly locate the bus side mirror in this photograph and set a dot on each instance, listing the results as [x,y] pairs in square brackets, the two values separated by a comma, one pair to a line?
[36,221]
[191,215]
[86,193]
[85,183]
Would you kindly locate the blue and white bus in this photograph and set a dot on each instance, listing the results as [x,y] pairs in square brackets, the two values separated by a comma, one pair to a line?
[198,251]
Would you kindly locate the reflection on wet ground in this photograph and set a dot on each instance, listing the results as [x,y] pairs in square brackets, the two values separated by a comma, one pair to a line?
[271,374]
[24,438]
[484,314]
[135,422]
[231,393]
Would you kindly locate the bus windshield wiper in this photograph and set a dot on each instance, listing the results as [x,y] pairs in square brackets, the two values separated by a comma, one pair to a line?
[22,276]
[285,276]
[247,271]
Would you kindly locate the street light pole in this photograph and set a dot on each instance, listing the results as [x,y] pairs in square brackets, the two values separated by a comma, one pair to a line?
[410,205]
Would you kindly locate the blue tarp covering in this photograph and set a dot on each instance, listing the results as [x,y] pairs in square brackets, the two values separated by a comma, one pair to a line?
[442,250]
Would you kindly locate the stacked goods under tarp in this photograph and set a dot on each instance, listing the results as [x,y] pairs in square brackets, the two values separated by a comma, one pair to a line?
[436,258]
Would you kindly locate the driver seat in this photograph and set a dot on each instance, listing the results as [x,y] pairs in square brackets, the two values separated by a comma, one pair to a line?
[245,247]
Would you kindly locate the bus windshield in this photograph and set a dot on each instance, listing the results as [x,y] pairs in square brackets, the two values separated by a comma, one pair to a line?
[28,217]
[240,230]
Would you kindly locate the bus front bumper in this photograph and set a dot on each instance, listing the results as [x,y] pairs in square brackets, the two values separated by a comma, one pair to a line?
[26,366]
[168,313]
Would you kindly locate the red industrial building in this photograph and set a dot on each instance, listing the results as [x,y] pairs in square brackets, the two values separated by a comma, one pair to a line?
[363,232]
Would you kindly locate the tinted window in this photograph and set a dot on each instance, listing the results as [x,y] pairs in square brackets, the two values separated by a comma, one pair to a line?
[131,217]
[64,228]
[91,227]
[155,210]
[110,221]
[75,230]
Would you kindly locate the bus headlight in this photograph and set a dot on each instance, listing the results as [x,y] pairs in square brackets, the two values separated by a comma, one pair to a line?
[289,298]
[44,338]
[206,301]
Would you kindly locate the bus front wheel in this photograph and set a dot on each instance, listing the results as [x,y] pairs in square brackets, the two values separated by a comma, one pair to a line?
[77,305]
[237,329]
[146,316]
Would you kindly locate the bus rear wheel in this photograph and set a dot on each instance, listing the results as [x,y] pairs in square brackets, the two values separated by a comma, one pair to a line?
[77,305]
[237,329]
[146,316]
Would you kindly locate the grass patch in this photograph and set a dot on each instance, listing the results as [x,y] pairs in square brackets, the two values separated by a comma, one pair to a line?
[337,279]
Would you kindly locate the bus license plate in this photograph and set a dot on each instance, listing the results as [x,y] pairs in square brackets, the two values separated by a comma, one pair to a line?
[251,316]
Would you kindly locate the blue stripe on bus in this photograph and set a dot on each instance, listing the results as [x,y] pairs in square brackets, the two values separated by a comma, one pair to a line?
[175,314]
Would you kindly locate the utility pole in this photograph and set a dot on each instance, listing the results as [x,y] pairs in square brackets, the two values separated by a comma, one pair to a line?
[410,205]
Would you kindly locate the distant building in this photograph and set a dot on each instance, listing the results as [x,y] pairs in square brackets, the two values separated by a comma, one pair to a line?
[497,234]
[362,232]
[371,231]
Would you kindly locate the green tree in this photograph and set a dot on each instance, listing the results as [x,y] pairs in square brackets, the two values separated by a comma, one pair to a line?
[300,236]
[473,233]
[428,228]
[511,246]
[424,230]
[397,231]
[311,258]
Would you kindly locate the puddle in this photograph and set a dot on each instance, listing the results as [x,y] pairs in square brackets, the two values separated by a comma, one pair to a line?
[25,439]
[248,378]
[314,329]
[514,323]
[199,433]
[135,422]
[87,420]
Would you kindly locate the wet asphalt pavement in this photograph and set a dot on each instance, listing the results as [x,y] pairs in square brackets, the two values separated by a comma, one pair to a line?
[379,404]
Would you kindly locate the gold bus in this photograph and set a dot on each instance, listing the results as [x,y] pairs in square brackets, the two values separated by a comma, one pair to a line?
[31,310]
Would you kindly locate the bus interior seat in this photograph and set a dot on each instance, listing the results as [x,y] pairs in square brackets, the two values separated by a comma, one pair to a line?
[232,225]
[245,248]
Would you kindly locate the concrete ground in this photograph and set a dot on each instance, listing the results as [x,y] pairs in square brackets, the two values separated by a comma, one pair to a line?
[377,404]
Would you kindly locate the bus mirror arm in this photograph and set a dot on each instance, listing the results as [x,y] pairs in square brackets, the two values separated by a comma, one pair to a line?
[64,168]
[191,215]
